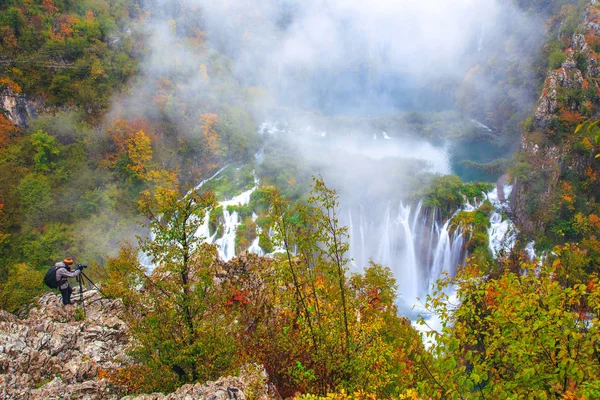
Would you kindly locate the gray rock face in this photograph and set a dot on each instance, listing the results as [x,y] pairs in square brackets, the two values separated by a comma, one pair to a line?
[579,73]
[18,108]
[251,384]
[50,353]
[568,76]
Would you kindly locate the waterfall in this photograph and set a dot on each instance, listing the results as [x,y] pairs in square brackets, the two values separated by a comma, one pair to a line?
[530,250]
[231,222]
[414,241]
[410,240]
[502,232]
[447,254]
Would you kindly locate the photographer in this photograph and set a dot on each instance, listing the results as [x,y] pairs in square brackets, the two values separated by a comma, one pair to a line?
[63,272]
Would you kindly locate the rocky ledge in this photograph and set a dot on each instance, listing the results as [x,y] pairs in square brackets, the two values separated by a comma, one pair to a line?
[56,352]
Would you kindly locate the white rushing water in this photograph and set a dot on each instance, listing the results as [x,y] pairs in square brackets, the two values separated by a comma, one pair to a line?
[415,242]
[231,221]
[411,240]
[418,245]
[502,232]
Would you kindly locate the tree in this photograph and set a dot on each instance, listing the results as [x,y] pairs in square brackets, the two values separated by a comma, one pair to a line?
[521,334]
[46,152]
[131,151]
[7,129]
[327,330]
[211,142]
[139,154]
[36,199]
[22,286]
[48,5]
[179,324]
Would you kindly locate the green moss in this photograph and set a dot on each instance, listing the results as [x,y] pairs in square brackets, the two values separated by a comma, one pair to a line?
[231,182]
[215,221]
[475,225]
[475,190]
[448,193]
[243,211]
[260,199]
[486,208]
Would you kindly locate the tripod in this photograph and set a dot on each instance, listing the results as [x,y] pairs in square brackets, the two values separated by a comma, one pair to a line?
[80,279]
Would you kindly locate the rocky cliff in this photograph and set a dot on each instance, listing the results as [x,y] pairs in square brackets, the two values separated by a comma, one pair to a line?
[549,149]
[18,108]
[57,352]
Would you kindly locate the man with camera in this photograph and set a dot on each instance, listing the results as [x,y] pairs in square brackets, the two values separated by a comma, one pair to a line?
[63,272]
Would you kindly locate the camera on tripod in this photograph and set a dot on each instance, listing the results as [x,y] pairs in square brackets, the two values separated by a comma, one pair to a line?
[81,266]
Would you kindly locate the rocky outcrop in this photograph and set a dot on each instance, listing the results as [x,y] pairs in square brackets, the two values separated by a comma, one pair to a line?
[580,70]
[564,99]
[56,351]
[251,384]
[18,108]
[567,76]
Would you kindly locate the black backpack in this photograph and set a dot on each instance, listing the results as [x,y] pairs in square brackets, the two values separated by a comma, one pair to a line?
[50,278]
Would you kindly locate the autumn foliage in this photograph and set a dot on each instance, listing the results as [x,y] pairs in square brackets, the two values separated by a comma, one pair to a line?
[520,334]
[212,146]
[7,129]
[315,328]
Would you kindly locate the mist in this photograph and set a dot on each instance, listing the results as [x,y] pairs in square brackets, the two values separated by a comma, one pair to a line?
[345,56]
[369,96]
[337,56]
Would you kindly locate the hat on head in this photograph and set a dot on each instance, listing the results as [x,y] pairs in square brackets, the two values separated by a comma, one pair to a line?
[68,260]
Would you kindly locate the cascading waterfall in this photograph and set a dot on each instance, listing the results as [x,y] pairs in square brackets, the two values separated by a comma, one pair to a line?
[231,221]
[502,232]
[412,241]
[448,254]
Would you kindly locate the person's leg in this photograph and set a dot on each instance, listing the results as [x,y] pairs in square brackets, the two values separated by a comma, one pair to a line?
[66,295]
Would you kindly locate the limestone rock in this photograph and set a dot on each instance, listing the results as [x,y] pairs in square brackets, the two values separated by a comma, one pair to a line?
[251,384]
[54,353]
[579,74]
[19,109]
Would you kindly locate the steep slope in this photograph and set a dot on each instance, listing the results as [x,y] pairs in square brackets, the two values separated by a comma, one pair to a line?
[556,169]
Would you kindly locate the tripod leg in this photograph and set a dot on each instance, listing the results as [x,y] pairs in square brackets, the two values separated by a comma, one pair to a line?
[93,284]
[80,280]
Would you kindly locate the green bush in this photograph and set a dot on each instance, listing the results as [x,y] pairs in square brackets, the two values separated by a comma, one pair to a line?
[24,284]
[556,59]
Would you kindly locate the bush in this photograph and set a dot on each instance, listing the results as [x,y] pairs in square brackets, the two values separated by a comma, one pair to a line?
[23,285]
[556,59]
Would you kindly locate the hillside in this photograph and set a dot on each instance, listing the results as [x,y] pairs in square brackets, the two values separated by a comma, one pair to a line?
[235,173]
[556,171]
